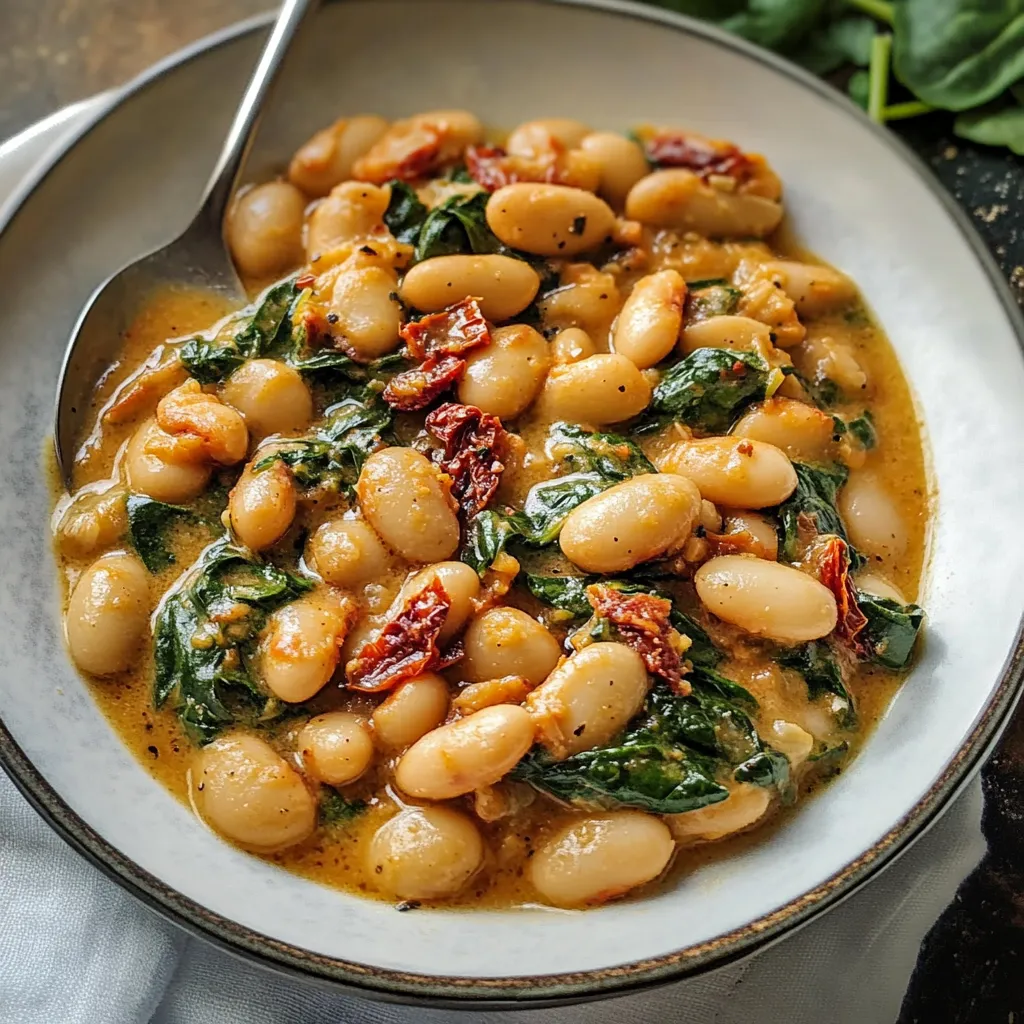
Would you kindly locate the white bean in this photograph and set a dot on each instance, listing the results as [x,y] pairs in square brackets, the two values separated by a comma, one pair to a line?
[801,431]
[745,805]
[424,853]
[504,286]
[108,614]
[632,522]
[816,290]
[368,311]
[600,389]
[739,332]
[301,647]
[734,471]
[336,747]
[572,345]
[589,698]
[549,220]
[247,792]
[347,552]
[161,478]
[598,859]
[353,210]
[264,229]
[271,396]
[504,377]
[327,158]
[622,164]
[531,136]
[93,520]
[789,739]
[761,529]
[766,598]
[507,642]
[262,504]
[872,518]
[878,586]
[411,710]
[678,198]
[466,754]
[401,495]
[648,325]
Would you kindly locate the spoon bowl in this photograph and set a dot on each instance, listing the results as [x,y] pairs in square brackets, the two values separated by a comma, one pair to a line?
[198,257]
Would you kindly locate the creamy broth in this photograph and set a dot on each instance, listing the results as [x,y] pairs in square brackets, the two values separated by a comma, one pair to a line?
[822,370]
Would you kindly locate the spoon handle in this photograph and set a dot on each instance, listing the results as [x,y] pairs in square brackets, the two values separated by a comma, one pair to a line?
[221,185]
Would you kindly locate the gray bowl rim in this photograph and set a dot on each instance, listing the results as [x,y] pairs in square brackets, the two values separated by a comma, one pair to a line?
[537,991]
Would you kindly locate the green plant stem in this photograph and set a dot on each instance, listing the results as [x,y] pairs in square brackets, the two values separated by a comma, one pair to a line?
[901,111]
[881,10]
[878,76]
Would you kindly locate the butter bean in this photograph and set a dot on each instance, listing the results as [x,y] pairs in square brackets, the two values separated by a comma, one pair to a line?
[632,522]
[648,325]
[466,754]
[678,198]
[622,164]
[327,158]
[549,220]
[507,642]
[745,806]
[410,711]
[600,389]
[803,432]
[504,286]
[597,859]
[734,471]
[505,377]
[739,332]
[766,598]
[402,497]
[589,698]
[336,748]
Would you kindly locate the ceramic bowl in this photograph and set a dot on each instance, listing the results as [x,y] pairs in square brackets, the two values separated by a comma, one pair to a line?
[130,179]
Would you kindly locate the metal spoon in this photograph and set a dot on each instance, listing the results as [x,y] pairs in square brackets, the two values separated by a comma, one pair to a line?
[198,256]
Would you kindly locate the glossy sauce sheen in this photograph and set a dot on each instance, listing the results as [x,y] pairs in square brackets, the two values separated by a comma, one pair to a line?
[334,855]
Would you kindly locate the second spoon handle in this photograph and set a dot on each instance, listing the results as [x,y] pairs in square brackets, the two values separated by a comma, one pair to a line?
[236,146]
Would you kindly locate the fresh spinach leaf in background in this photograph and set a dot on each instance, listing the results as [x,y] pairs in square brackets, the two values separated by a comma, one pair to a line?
[965,56]
[202,655]
[958,54]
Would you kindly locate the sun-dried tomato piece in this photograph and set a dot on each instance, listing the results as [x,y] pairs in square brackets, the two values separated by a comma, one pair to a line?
[642,622]
[702,156]
[406,646]
[474,445]
[489,167]
[415,389]
[454,331]
[834,573]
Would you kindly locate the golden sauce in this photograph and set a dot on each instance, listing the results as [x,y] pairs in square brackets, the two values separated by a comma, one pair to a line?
[334,855]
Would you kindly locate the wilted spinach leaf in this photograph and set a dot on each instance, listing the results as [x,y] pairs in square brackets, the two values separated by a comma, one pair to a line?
[708,390]
[705,299]
[821,672]
[815,498]
[334,456]
[566,593]
[148,523]
[205,637]
[336,810]
[487,534]
[458,225]
[264,322]
[405,213]
[891,630]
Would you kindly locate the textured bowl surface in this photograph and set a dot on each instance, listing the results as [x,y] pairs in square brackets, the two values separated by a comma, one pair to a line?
[854,196]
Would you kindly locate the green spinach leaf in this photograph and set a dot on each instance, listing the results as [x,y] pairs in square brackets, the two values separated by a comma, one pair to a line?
[405,213]
[958,54]
[821,672]
[891,631]
[458,225]
[708,390]
[148,524]
[335,810]
[815,496]
[997,124]
[333,457]
[487,535]
[706,299]
[205,637]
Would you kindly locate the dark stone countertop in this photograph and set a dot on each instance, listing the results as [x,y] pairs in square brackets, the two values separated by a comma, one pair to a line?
[53,52]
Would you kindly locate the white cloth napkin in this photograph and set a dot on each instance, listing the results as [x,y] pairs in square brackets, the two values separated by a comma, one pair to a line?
[77,949]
